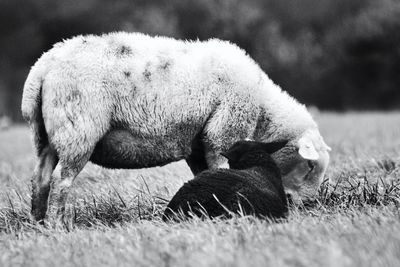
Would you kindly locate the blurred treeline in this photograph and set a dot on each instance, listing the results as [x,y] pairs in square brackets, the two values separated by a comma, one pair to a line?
[341,54]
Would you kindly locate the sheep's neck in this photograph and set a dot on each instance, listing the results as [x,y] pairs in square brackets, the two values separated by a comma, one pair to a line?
[281,116]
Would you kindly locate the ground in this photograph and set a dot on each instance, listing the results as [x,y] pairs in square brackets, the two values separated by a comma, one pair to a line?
[116,214]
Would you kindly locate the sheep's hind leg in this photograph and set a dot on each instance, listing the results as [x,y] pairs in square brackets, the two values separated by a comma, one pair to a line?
[41,182]
[60,187]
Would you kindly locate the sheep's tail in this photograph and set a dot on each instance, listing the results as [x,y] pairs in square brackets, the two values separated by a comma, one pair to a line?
[31,106]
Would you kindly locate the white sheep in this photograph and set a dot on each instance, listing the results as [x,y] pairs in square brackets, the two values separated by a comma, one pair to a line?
[128,100]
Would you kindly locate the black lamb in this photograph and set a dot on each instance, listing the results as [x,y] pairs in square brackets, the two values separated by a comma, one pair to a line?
[252,186]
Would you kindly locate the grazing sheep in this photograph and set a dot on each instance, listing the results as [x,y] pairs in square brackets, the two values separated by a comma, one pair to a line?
[128,100]
[252,186]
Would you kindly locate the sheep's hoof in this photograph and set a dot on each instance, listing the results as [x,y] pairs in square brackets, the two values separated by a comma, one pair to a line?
[38,210]
[38,214]
[55,219]
[58,222]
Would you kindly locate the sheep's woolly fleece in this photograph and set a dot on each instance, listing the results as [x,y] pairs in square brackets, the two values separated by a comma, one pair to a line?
[120,76]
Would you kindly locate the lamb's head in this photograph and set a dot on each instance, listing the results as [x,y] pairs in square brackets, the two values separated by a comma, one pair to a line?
[303,162]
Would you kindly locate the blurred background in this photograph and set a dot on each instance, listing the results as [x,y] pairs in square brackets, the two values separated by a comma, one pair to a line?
[334,55]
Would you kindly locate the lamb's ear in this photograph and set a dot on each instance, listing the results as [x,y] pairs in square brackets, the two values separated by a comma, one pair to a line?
[274,146]
[233,154]
[307,149]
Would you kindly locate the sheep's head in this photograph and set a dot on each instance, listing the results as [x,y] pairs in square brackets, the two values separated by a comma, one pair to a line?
[303,162]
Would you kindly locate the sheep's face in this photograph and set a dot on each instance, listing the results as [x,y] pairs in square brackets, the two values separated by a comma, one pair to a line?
[303,163]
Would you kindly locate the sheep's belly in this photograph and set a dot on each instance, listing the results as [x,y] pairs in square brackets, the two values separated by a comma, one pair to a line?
[120,149]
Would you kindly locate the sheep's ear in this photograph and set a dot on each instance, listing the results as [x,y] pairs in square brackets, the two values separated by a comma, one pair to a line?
[307,149]
[274,146]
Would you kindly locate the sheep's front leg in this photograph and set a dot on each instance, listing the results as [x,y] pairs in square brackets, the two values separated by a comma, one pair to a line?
[230,123]
[205,158]
[197,163]
[213,147]
[216,160]
[197,158]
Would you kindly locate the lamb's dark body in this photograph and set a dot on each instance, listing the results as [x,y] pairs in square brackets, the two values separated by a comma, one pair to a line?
[253,186]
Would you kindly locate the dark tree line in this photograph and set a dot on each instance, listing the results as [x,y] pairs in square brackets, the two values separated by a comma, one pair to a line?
[332,54]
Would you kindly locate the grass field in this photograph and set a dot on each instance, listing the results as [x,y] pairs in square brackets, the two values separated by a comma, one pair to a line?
[116,214]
